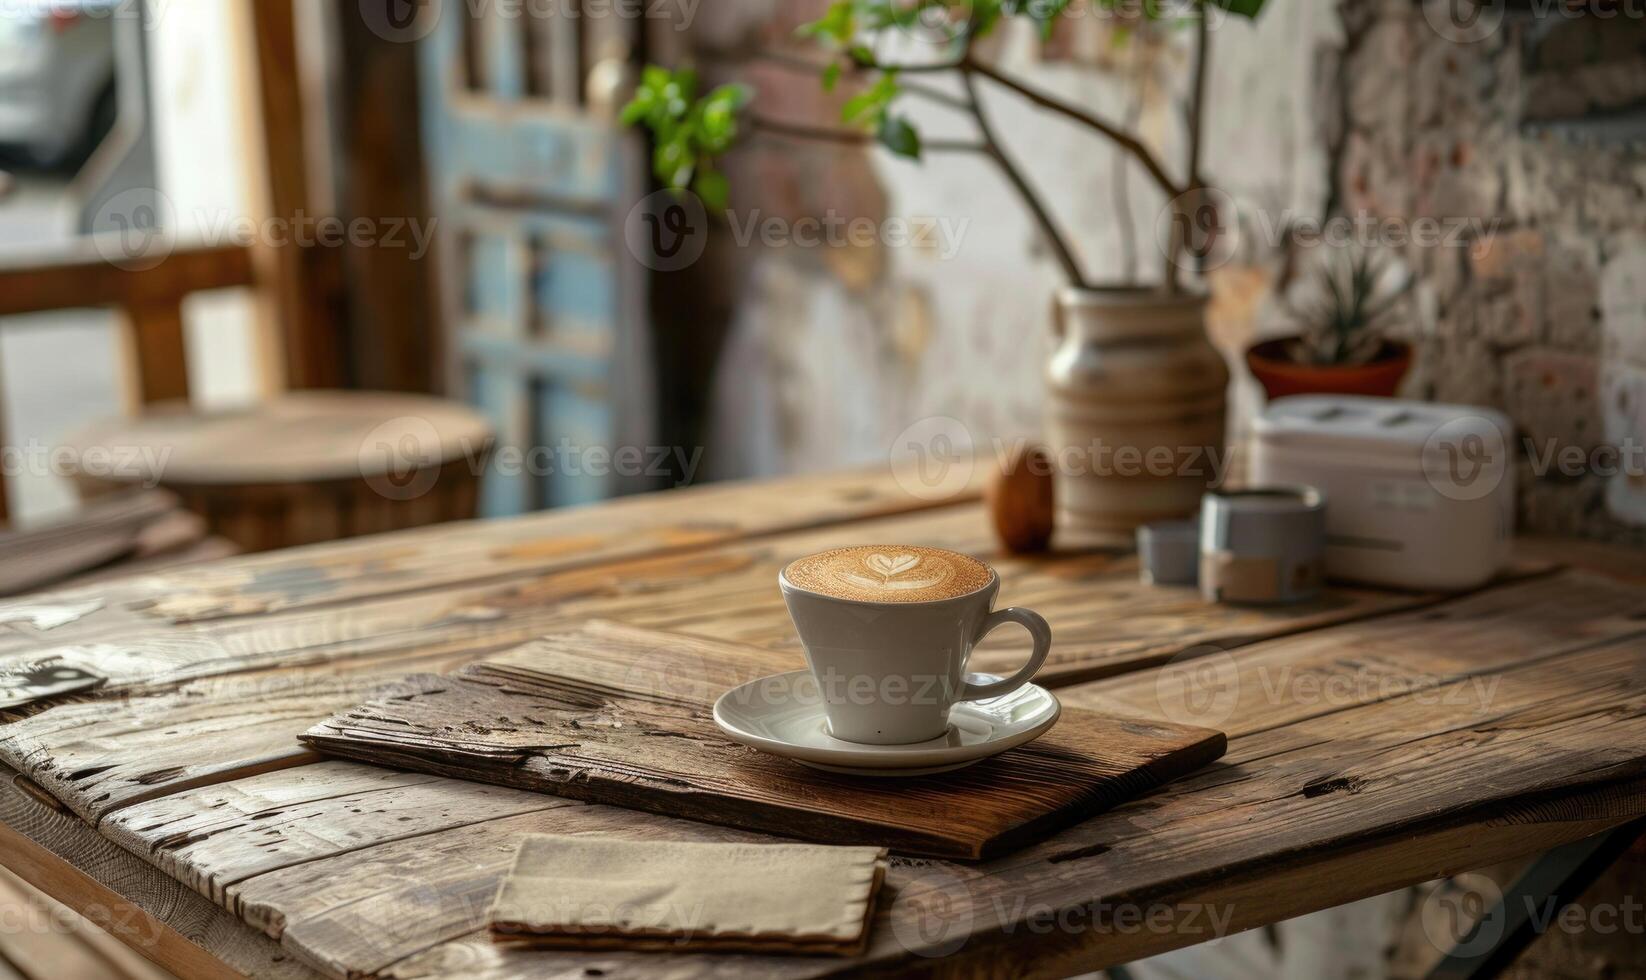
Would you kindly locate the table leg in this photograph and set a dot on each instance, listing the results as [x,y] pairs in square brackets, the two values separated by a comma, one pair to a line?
[1532,901]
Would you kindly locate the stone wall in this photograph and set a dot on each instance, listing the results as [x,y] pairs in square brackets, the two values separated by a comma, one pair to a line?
[1544,314]
[1538,308]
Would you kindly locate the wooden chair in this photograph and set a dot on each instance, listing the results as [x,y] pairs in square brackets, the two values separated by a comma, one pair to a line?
[151,302]
[322,493]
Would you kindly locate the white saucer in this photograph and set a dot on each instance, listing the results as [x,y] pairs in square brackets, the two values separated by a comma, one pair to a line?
[783,715]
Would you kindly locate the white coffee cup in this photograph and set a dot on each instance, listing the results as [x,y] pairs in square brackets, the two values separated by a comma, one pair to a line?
[888,672]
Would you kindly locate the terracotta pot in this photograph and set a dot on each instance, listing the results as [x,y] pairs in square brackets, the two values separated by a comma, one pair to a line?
[1136,407]
[1281,376]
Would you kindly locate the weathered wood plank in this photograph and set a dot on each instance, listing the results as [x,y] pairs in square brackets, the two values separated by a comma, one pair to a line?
[1311,795]
[153,914]
[1358,794]
[430,558]
[622,716]
[1209,794]
[1271,684]
[362,911]
[1365,799]
[1052,945]
[1103,620]
[213,837]
[98,756]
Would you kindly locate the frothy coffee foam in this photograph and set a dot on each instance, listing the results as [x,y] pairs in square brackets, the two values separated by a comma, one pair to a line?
[888,573]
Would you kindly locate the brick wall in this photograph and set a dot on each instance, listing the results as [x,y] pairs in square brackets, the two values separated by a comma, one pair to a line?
[1544,314]
[1374,109]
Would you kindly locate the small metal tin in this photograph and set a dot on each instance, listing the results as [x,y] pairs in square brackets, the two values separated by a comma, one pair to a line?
[1263,546]
[1168,553]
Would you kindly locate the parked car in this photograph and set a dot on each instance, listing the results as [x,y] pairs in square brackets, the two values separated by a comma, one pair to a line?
[57,88]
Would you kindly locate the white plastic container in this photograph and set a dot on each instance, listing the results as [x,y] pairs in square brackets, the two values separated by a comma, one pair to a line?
[1418,495]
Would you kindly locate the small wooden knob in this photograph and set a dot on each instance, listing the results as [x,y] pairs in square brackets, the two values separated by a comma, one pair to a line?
[1020,500]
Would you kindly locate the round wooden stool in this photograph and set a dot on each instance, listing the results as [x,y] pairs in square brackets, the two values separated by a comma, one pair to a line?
[304,467]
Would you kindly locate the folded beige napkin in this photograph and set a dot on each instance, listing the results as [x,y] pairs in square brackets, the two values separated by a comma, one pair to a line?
[590,892]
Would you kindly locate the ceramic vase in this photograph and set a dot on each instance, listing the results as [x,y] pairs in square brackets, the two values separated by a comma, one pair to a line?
[1137,404]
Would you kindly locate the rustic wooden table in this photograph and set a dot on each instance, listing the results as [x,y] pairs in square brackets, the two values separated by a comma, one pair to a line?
[1376,739]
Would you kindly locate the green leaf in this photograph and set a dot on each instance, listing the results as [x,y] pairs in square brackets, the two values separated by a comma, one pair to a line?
[837,25]
[896,134]
[716,118]
[831,76]
[637,110]
[868,108]
[655,77]
[1240,8]
[674,162]
[713,188]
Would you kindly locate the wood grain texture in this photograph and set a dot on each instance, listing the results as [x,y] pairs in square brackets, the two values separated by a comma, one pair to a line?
[1415,737]
[621,716]
[99,538]
[213,837]
[1281,682]
[153,914]
[1363,800]
[99,756]
[430,561]
[1103,620]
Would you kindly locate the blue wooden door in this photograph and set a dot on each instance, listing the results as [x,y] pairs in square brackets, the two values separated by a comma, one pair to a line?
[531,180]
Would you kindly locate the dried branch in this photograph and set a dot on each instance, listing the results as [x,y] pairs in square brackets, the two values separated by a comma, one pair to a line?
[1127,141]
[804,65]
[1123,197]
[1060,246]
[1191,193]
[852,137]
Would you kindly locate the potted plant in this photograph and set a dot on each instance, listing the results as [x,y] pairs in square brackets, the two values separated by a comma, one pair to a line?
[1342,345]
[1135,387]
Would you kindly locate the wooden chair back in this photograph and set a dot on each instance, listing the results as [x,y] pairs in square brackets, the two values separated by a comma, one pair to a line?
[150,301]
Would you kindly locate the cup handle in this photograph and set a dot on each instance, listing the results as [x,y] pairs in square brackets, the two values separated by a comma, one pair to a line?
[1038,630]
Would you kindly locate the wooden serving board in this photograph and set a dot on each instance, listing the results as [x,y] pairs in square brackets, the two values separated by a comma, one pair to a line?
[619,715]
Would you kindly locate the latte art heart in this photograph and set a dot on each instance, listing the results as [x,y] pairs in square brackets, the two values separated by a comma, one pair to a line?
[899,573]
[887,566]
